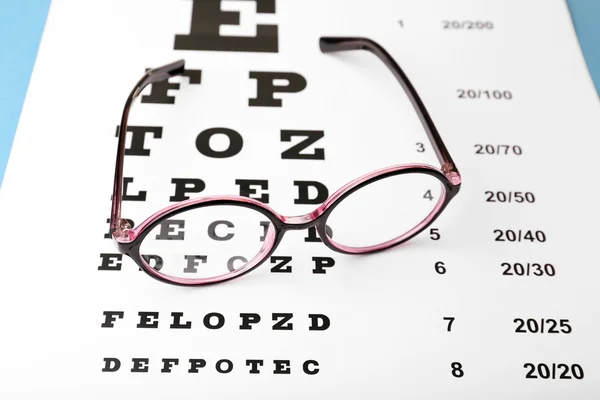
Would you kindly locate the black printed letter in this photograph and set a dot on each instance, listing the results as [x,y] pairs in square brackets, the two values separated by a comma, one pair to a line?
[308,371]
[195,364]
[282,367]
[138,136]
[282,266]
[233,259]
[159,91]
[248,319]
[303,195]
[266,87]
[207,17]
[140,364]
[171,229]
[109,321]
[168,364]
[192,262]
[285,317]
[146,319]
[212,228]
[294,152]
[227,369]
[247,191]
[153,261]
[177,321]
[220,320]
[235,143]
[141,196]
[253,364]
[321,263]
[116,364]
[110,262]
[314,322]
[184,186]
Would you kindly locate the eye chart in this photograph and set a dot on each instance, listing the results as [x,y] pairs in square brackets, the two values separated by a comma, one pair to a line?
[497,299]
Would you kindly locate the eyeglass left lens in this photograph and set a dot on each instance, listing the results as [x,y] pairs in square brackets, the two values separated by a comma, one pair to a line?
[206,243]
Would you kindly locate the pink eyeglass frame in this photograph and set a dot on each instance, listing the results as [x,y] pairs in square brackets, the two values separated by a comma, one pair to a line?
[129,239]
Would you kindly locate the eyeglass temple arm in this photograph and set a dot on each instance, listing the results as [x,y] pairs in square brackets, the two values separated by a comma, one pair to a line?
[151,76]
[333,44]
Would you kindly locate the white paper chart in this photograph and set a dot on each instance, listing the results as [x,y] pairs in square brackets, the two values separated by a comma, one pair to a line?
[497,300]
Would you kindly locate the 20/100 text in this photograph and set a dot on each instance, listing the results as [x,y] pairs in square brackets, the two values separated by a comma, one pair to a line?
[484,94]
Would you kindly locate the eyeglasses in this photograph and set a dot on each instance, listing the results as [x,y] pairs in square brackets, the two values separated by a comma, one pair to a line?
[218,238]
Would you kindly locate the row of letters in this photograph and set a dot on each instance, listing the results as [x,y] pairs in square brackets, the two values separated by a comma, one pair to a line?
[222,366]
[279,264]
[215,320]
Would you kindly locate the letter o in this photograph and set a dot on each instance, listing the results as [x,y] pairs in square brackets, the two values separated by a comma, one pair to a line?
[220,320]
[235,143]
[229,366]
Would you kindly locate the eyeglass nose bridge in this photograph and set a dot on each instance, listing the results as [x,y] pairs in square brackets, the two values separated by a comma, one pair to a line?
[301,222]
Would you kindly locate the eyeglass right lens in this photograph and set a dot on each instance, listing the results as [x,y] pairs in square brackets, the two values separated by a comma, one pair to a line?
[385,210]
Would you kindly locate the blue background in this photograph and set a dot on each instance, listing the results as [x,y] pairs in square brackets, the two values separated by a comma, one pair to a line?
[22,23]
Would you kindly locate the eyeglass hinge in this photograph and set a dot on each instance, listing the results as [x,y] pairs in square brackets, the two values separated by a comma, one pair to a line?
[452,174]
[122,230]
